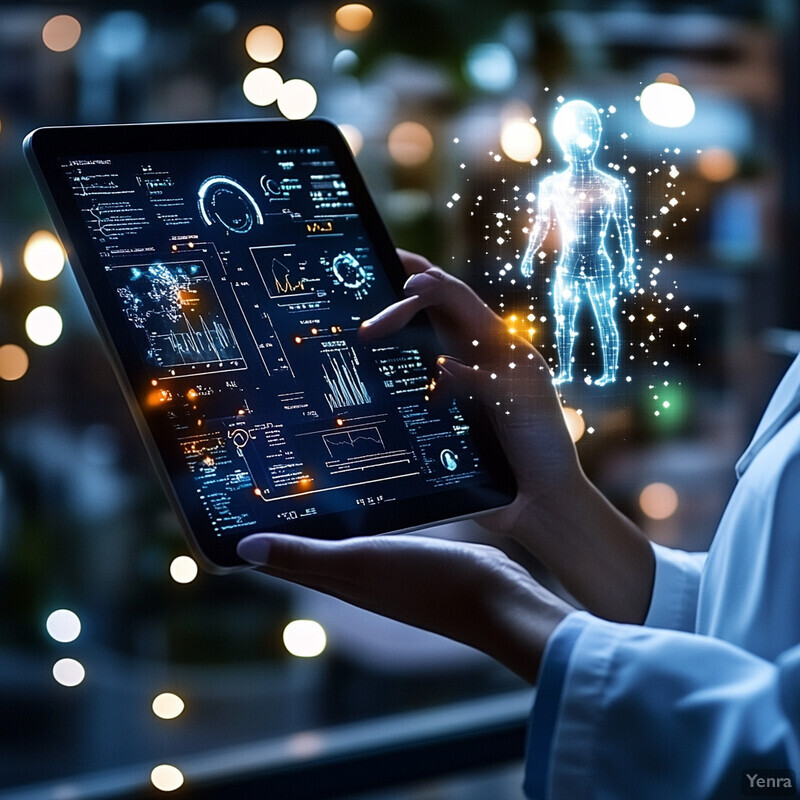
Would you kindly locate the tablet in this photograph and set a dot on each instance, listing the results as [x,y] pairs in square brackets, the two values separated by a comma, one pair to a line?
[228,267]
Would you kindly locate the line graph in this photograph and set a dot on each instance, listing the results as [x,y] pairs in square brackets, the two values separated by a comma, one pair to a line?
[176,308]
[363,441]
[283,279]
[345,387]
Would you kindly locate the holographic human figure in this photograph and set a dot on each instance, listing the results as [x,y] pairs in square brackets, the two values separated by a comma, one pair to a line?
[583,200]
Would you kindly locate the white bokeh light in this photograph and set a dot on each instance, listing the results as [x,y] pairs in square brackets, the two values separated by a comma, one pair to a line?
[43,256]
[520,140]
[166,778]
[168,705]
[69,672]
[262,85]
[667,105]
[304,638]
[297,99]
[63,625]
[44,325]
[183,569]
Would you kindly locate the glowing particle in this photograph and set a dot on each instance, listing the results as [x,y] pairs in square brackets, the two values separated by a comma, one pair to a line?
[664,210]
[475,342]
[673,201]
[650,318]
[656,233]
[673,172]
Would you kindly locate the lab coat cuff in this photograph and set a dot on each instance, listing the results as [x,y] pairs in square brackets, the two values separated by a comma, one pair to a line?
[675,590]
[547,705]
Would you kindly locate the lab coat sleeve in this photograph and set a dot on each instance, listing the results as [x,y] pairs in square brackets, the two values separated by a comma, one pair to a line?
[657,714]
[673,604]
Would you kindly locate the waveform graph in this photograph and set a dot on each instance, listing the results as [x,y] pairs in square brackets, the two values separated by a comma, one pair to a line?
[365,441]
[284,274]
[346,389]
[181,323]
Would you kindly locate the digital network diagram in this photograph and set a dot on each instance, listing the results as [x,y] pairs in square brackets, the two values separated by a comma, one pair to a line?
[239,282]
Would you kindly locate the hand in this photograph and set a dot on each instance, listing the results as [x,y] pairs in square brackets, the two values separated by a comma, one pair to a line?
[527,265]
[600,556]
[504,371]
[467,592]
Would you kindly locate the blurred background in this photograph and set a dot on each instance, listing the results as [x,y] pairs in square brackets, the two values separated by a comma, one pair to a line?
[125,672]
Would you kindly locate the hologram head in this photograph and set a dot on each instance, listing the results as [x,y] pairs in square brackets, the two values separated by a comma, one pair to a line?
[577,128]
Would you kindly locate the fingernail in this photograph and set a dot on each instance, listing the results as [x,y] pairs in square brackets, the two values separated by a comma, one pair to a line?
[419,282]
[254,549]
[377,318]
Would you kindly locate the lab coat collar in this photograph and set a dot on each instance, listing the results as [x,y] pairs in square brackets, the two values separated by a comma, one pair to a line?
[784,405]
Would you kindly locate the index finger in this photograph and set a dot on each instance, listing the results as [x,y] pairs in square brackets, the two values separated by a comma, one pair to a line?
[458,314]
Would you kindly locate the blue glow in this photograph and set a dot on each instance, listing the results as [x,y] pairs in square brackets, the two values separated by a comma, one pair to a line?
[238,219]
[122,35]
[491,67]
[583,201]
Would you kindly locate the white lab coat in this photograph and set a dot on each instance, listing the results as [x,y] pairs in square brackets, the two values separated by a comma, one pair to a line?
[711,686]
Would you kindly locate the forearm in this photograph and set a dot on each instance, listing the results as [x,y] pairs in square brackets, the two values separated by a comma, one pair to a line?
[602,559]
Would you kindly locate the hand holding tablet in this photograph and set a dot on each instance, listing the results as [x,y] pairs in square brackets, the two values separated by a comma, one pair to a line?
[229,267]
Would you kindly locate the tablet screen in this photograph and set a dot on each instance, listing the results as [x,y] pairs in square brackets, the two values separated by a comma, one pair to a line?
[231,280]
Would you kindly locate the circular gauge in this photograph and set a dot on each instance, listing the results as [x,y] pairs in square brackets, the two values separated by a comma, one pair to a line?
[348,271]
[227,202]
[270,185]
[449,460]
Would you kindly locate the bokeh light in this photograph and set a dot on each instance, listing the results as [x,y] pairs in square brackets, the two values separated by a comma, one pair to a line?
[264,43]
[44,325]
[297,99]
[68,672]
[43,256]
[304,638]
[166,778]
[262,85]
[61,33]
[168,705]
[520,140]
[63,625]
[183,569]
[576,425]
[491,67]
[353,137]
[410,143]
[667,104]
[1,273]
[717,164]
[354,17]
[13,362]
[658,501]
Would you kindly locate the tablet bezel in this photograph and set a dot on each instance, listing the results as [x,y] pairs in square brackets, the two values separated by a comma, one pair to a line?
[45,149]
